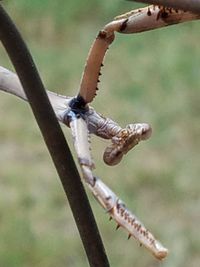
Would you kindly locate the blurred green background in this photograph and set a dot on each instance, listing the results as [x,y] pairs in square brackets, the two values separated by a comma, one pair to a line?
[150,77]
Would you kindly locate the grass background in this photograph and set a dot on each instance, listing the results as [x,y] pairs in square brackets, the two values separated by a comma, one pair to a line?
[150,77]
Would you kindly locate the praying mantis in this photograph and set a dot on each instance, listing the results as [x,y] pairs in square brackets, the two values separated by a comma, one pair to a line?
[83,120]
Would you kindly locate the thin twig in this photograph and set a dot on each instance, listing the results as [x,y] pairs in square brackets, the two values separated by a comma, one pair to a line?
[54,139]
[186,5]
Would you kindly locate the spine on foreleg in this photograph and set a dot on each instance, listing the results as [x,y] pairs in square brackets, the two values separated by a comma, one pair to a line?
[124,218]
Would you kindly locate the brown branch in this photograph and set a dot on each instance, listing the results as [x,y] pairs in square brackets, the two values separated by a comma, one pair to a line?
[54,139]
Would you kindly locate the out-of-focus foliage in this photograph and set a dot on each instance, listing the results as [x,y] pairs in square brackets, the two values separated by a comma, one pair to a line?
[150,77]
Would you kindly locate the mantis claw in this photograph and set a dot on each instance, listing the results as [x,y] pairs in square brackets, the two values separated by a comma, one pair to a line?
[125,140]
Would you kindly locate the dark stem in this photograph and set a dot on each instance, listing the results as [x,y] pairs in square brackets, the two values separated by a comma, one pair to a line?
[55,141]
[186,5]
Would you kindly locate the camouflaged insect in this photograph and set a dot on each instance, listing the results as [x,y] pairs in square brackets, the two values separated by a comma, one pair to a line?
[83,120]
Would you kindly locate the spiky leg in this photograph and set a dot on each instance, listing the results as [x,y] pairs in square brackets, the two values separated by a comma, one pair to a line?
[105,196]
[126,219]
[135,21]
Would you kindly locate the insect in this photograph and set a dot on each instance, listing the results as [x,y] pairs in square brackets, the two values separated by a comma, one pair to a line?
[83,120]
